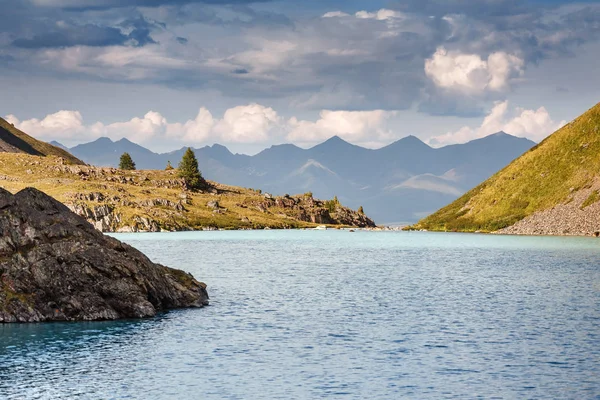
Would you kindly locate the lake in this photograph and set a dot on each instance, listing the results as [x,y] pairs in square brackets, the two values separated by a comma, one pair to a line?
[335,314]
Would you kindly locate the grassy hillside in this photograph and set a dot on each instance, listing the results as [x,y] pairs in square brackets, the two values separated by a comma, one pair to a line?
[149,200]
[547,175]
[26,144]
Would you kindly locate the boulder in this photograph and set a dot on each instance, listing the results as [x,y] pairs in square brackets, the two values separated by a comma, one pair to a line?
[54,266]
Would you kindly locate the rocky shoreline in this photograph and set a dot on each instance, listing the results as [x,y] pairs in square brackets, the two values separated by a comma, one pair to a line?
[54,266]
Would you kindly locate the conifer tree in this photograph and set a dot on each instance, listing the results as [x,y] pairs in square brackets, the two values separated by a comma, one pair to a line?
[188,170]
[126,162]
[169,166]
[360,210]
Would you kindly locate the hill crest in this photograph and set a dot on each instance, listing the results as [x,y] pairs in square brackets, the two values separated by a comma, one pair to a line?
[13,140]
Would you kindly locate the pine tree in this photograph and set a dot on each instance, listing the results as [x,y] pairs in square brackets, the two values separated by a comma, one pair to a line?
[188,170]
[126,162]
[169,166]
[360,210]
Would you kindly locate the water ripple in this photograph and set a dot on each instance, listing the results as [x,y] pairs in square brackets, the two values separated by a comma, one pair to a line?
[337,315]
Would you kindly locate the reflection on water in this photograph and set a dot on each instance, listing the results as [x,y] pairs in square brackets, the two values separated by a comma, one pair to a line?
[334,314]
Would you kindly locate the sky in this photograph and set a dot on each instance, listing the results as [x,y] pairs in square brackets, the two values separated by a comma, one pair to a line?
[250,74]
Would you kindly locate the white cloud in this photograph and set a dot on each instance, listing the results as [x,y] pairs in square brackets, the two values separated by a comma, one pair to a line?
[355,126]
[381,15]
[247,124]
[469,73]
[62,124]
[195,130]
[532,124]
[137,129]
[335,14]
[251,123]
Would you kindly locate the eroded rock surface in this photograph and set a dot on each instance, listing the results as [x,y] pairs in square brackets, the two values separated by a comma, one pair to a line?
[55,266]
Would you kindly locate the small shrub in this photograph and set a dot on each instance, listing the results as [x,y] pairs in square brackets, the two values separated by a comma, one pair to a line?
[330,205]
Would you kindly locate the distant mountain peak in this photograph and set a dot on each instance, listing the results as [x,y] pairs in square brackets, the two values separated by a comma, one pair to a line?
[411,139]
[502,136]
[335,142]
[124,140]
[59,145]
[103,139]
[220,148]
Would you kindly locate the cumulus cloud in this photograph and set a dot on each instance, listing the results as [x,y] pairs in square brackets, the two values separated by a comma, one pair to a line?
[64,124]
[469,73]
[245,124]
[196,130]
[251,123]
[532,124]
[366,127]
[137,129]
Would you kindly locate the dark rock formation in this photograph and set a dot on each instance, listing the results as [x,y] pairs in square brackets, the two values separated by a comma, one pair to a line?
[55,266]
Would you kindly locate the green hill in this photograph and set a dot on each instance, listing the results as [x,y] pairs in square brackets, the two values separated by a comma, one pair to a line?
[554,173]
[12,140]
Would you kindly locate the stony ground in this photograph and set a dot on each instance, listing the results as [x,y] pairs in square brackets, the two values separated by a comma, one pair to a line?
[570,218]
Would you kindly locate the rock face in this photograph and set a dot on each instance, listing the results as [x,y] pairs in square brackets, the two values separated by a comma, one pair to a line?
[54,266]
[306,208]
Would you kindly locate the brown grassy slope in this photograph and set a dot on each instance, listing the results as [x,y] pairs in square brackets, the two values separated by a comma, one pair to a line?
[27,144]
[139,198]
[542,178]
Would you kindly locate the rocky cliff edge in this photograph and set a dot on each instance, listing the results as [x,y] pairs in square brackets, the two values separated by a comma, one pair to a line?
[54,266]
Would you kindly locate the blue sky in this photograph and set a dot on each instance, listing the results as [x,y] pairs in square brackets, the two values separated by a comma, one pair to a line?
[251,74]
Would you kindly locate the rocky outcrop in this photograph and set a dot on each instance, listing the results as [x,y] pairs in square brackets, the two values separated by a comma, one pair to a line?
[54,266]
[307,209]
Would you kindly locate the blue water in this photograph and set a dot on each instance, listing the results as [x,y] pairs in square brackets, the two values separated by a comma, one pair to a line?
[329,314]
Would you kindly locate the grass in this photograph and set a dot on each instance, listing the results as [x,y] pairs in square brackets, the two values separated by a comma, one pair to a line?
[124,190]
[541,178]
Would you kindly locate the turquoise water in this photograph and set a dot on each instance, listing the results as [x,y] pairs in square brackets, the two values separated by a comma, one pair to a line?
[330,314]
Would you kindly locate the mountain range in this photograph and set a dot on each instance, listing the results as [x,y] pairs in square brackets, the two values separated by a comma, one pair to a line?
[399,183]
